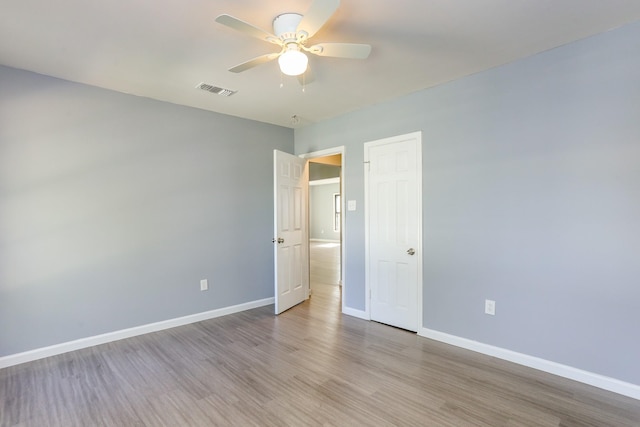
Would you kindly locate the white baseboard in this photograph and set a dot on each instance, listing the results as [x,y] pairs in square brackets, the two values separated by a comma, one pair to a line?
[586,377]
[325,240]
[41,353]
[361,314]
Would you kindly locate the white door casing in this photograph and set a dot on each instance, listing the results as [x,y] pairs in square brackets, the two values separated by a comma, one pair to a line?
[291,239]
[393,221]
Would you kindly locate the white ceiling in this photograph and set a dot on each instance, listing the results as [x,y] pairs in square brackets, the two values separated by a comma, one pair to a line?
[162,49]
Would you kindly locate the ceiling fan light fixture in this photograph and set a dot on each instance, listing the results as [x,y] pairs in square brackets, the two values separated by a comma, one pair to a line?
[292,31]
[293,62]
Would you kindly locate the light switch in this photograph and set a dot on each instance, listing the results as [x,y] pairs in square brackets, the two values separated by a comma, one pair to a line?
[351,205]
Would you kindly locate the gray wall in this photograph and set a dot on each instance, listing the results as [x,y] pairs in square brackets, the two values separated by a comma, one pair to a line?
[321,211]
[113,207]
[322,171]
[531,197]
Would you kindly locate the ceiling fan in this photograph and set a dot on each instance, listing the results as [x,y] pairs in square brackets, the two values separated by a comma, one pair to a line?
[291,33]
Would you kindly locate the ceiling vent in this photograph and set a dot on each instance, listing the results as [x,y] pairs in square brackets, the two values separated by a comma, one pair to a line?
[215,89]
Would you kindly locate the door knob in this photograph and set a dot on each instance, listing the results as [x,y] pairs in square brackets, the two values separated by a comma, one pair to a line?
[279,240]
[411,251]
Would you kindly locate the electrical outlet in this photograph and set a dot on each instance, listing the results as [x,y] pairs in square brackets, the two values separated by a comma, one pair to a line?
[204,284]
[490,307]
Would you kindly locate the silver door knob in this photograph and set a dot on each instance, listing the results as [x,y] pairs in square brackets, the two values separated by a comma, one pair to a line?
[411,251]
[279,240]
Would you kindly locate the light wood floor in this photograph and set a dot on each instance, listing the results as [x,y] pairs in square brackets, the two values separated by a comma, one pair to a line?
[324,263]
[309,366]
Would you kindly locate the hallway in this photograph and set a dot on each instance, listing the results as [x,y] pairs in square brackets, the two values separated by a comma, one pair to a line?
[324,272]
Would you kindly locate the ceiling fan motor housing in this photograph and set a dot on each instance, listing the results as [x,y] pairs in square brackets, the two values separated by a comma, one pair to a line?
[285,26]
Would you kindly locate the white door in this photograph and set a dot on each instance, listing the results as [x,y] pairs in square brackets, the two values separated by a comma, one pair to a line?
[291,241]
[393,216]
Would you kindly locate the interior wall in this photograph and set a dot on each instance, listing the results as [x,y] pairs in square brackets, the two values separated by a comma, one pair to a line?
[531,186]
[113,207]
[321,212]
[318,171]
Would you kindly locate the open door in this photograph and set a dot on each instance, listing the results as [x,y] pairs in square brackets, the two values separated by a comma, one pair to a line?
[291,237]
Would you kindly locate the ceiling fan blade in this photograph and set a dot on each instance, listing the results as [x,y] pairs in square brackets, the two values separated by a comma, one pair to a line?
[341,50]
[254,62]
[318,14]
[246,28]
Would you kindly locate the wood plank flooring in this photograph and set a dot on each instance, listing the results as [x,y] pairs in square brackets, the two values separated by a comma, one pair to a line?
[324,263]
[309,366]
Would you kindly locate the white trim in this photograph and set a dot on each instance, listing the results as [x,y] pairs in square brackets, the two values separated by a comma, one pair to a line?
[41,353]
[325,181]
[367,284]
[325,153]
[586,377]
[325,240]
[343,261]
[367,145]
[355,313]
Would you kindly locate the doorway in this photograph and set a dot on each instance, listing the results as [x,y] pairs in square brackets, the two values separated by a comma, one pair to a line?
[326,226]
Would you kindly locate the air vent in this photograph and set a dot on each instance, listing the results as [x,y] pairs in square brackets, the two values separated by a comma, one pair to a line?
[215,89]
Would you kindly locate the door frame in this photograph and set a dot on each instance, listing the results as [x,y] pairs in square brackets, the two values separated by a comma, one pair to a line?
[367,286]
[343,254]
